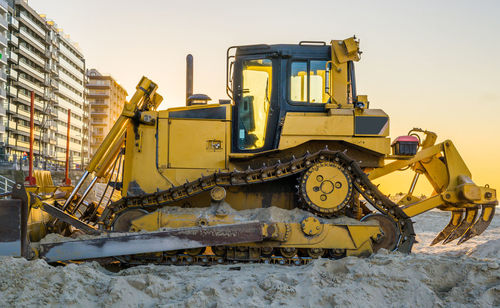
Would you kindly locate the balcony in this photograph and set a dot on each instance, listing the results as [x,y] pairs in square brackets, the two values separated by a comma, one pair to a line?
[24,97]
[26,100]
[3,93]
[32,70]
[31,54]
[71,69]
[100,113]
[11,91]
[40,106]
[79,87]
[31,39]
[4,6]
[4,23]
[98,95]
[3,76]
[13,57]
[68,53]
[98,84]
[22,144]
[13,22]
[31,84]
[24,113]
[3,40]
[70,94]
[13,40]
[33,25]
[12,74]
[99,103]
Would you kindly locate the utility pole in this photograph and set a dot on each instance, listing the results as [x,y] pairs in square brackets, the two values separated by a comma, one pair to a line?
[67,180]
[30,179]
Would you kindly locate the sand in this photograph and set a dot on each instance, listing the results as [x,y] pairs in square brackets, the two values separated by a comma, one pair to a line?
[439,276]
[270,214]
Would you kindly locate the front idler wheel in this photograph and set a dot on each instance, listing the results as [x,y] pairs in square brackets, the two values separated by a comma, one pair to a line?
[390,232]
[123,221]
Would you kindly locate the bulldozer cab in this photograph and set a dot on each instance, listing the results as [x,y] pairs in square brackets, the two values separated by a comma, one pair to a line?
[268,81]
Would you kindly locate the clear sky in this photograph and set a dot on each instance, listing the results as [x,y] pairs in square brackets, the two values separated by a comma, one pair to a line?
[429,64]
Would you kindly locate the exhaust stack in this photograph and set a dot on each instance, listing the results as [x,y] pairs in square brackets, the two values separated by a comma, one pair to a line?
[189,78]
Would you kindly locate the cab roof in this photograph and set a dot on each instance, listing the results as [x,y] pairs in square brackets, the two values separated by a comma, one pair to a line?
[286,50]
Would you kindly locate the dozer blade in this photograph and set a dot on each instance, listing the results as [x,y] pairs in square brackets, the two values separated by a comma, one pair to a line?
[470,217]
[456,219]
[138,243]
[481,224]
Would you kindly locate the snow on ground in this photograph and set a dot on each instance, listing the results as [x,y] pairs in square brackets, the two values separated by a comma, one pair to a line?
[439,276]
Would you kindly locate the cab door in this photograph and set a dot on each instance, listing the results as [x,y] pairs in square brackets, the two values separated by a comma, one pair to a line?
[255,111]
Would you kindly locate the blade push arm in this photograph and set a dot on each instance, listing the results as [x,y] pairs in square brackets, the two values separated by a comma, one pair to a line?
[145,98]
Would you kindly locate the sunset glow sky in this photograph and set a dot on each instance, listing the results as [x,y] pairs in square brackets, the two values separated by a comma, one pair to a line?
[428,64]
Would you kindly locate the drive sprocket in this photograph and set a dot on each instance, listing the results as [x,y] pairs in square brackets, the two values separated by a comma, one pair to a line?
[326,188]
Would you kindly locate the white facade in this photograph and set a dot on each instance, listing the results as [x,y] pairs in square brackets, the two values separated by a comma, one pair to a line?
[4,33]
[43,60]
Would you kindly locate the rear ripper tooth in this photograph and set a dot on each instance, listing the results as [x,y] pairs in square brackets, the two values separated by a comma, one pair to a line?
[456,219]
[481,224]
[467,222]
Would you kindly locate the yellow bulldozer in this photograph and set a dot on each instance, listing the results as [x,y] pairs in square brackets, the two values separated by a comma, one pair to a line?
[280,172]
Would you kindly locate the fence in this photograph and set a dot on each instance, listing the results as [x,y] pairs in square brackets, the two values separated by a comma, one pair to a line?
[13,161]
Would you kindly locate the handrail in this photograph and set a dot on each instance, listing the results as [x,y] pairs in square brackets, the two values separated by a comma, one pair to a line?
[6,184]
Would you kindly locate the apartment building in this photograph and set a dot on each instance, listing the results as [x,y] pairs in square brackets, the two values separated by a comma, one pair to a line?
[4,33]
[67,89]
[106,99]
[42,59]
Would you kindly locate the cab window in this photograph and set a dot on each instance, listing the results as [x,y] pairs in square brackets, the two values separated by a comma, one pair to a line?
[307,81]
[253,107]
